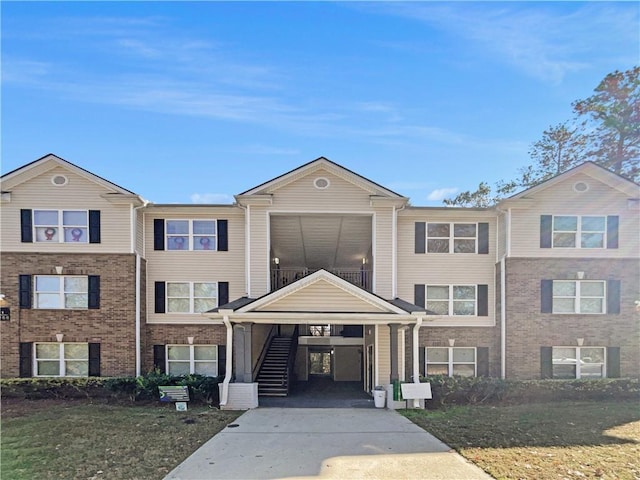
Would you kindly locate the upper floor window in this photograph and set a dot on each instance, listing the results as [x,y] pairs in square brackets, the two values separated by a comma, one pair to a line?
[578,362]
[61,359]
[451,361]
[192,359]
[191,235]
[451,299]
[320,330]
[191,297]
[57,291]
[61,226]
[451,237]
[579,231]
[579,296]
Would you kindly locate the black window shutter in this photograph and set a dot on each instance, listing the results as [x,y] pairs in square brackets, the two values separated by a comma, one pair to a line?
[26,363]
[483,300]
[421,237]
[223,293]
[546,362]
[483,238]
[25,291]
[613,296]
[613,362]
[546,230]
[482,360]
[612,231]
[546,296]
[94,226]
[94,359]
[94,291]
[223,237]
[158,234]
[422,366]
[222,360]
[159,358]
[26,227]
[419,295]
[160,297]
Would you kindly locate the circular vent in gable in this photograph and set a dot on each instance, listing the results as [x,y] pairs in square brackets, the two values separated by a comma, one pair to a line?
[581,187]
[59,180]
[321,183]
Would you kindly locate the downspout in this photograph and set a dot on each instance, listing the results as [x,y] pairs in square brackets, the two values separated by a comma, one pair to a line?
[416,357]
[394,252]
[224,397]
[247,247]
[138,320]
[503,292]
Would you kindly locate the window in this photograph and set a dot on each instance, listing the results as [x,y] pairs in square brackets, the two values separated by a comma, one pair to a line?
[57,291]
[320,330]
[450,361]
[64,226]
[192,359]
[62,359]
[579,232]
[191,235]
[451,237]
[579,296]
[191,297]
[451,299]
[578,362]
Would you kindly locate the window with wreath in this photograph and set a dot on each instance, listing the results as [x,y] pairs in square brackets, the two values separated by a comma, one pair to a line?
[61,359]
[191,235]
[451,361]
[68,226]
[578,362]
[192,359]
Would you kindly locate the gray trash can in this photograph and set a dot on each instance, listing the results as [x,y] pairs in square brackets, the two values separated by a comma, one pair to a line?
[379,396]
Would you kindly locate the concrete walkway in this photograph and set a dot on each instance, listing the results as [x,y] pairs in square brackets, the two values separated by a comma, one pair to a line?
[339,443]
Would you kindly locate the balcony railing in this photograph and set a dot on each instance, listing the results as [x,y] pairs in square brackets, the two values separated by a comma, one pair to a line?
[281,277]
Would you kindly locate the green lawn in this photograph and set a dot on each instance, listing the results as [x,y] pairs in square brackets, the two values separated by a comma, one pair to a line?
[76,440]
[563,440]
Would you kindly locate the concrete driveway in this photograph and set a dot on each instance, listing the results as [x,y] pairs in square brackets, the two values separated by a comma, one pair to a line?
[340,443]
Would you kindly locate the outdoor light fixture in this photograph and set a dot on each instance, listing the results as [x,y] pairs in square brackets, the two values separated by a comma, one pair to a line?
[276,260]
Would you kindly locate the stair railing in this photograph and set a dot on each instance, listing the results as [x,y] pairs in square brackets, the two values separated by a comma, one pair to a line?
[293,350]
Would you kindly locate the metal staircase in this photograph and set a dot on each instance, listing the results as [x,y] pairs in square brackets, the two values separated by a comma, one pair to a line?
[274,376]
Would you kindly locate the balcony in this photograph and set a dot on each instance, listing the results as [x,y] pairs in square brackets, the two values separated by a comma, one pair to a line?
[281,277]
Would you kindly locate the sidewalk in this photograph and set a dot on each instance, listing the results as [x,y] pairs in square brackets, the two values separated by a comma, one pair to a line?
[339,443]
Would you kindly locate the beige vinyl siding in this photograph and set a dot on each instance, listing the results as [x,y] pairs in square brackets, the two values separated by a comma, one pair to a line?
[383,258]
[321,296]
[259,251]
[446,268]
[78,194]
[562,199]
[195,266]
[303,196]
[384,355]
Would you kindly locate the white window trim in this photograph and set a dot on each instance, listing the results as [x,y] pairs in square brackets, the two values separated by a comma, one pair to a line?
[451,300]
[451,238]
[192,358]
[190,235]
[61,360]
[578,356]
[578,297]
[578,232]
[59,227]
[61,292]
[450,363]
[192,297]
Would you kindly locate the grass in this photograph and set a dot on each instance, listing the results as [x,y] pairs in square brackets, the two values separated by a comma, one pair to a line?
[562,440]
[76,440]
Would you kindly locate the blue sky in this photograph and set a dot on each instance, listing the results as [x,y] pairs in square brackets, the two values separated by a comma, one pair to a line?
[193,102]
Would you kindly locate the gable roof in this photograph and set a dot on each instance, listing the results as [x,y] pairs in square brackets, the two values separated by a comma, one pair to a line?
[322,163]
[50,161]
[591,169]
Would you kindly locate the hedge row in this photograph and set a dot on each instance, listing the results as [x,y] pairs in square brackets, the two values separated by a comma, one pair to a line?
[202,389]
[494,391]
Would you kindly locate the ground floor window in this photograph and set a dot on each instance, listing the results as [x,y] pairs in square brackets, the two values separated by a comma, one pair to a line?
[192,359]
[451,361]
[578,362]
[61,359]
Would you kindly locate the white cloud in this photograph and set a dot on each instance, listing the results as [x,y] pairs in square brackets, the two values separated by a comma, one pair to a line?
[214,198]
[441,194]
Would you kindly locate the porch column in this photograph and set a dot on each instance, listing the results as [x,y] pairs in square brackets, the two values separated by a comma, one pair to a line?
[393,350]
[242,352]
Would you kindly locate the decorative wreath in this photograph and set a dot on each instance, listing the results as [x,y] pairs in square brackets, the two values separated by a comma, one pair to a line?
[205,242]
[179,241]
[49,233]
[76,233]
